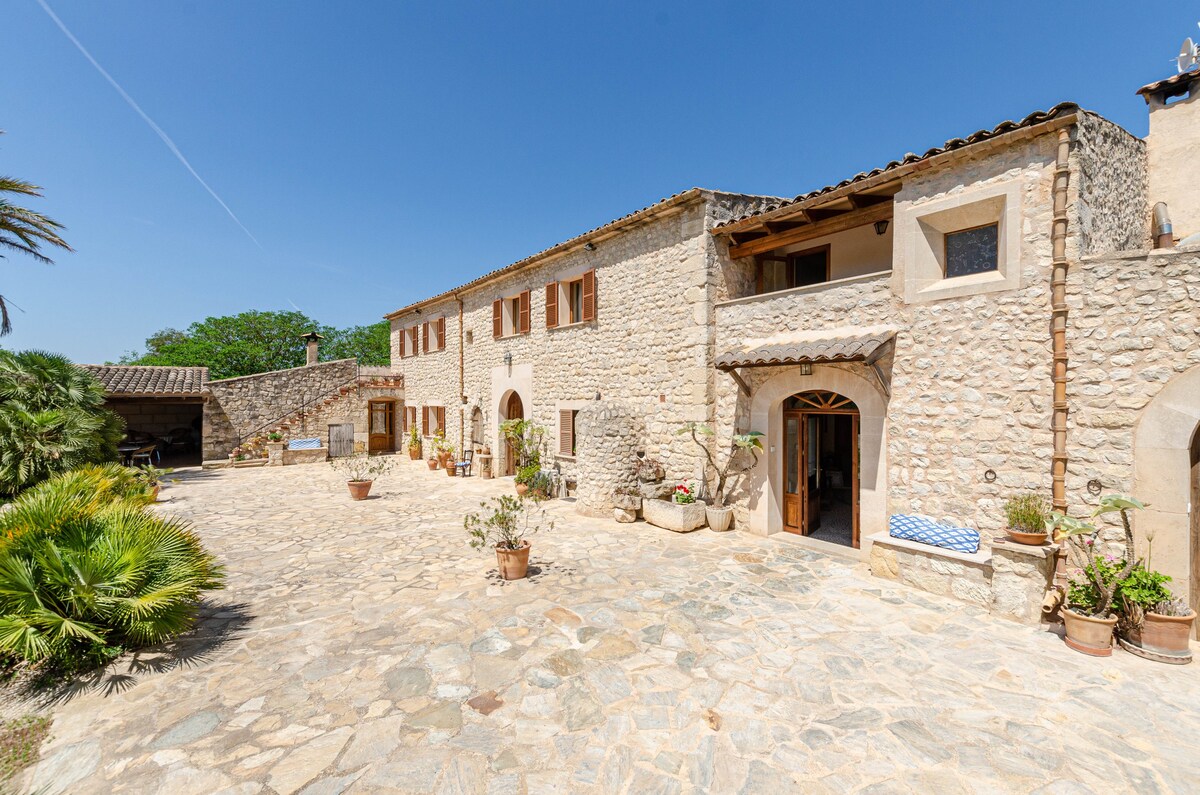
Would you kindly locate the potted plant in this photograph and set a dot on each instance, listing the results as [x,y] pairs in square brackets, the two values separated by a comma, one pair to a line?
[505,525]
[414,443]
[736,464]
[151,478]
[525,477]
[432,460]
[682,513]
[525,439]
[540,485]
[361,471]
[1026,515]
[1088,615]
[449,459]
[1151,622]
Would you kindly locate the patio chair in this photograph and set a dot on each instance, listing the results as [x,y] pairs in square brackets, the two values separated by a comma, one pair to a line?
[144,454]
[464,466]
[179,438]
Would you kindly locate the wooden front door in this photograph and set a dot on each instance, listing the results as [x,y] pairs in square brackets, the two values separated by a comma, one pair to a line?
[808,430]
[381,427]
[793,483]
[513,410]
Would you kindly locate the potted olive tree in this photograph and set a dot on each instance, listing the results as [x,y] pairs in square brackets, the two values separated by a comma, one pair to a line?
[414,443]
[505,524]
[1088,615]
[1027,515]
[741,458]
[361,471]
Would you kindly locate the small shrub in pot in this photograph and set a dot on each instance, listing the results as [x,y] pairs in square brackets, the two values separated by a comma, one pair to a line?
[360,472]
[1026,516]
[505,524]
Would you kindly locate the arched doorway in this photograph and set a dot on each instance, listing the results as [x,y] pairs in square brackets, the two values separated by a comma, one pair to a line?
[820,467]
[514,409]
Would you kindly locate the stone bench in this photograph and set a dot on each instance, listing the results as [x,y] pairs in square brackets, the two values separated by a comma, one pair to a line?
[1009,580]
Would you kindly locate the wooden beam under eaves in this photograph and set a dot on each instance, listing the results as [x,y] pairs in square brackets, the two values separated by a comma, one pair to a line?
[812,231]
[862,201]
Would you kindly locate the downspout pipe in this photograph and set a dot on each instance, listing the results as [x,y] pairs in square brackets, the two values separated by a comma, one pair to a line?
[1164,236]
[1058,333]
[462,388]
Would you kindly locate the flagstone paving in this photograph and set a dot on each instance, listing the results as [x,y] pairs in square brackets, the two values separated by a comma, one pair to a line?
[364,647]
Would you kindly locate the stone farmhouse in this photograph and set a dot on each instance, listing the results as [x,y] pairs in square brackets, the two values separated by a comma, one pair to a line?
[1015,310]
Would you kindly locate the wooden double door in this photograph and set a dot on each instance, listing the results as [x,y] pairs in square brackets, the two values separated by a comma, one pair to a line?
[820,467]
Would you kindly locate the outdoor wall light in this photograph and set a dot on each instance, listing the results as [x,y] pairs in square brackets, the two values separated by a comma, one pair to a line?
[465,400]
[589,246]
[597,396]
[805,368]
[417,310]
[989,476]
[508,358]
[1094,486]
[881,227]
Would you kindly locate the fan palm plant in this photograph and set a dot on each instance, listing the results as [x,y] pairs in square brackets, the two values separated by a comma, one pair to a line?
[24,231]
[99,577]
[52,419]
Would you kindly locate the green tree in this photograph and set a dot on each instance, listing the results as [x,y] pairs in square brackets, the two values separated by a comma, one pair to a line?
[258,342]
[24,231]
[242,344]
[371,345]
[52,418]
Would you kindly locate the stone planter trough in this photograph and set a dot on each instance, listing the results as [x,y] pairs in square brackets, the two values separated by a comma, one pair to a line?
[672,516]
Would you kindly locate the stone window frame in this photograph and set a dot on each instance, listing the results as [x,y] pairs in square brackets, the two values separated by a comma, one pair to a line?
[559,407]
[921,231]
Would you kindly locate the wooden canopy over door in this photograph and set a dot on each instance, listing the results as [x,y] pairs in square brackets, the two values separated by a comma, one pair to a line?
[381,429]
[802,446]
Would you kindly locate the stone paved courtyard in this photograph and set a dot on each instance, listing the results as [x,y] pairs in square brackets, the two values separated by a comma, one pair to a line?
[364,647]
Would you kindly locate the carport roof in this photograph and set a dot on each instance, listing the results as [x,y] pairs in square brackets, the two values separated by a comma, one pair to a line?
[145,381]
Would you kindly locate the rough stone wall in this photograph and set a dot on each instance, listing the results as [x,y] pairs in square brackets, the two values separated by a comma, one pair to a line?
[970,378]
[648,347]
[351,407]
[239,407]
[1134,324]
[609,435]
[1108,185]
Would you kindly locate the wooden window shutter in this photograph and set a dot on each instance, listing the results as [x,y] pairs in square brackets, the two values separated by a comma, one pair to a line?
[497,318]
[412,417]
[412,343]
[589,295]
[425,421]
[441,333]
[525,312]
[566,432]
[441,419]
[551,304]
[425,337]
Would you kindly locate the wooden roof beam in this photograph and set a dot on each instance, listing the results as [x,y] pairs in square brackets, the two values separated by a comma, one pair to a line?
[840,223]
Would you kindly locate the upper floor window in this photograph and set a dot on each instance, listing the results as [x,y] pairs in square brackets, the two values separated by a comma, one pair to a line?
[510,315]
[971,251]
[410,339]
[571,301]
[434,334]
[785,271]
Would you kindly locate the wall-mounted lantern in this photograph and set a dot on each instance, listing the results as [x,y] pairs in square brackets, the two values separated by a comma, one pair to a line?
[805,368]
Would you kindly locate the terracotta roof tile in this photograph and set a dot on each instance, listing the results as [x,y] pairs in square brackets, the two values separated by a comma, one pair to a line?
[142,380]
[979,136]
[1172,86]
[832,345]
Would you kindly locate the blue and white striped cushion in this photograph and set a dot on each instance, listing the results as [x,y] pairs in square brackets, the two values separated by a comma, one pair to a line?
[304,444]
[922,529]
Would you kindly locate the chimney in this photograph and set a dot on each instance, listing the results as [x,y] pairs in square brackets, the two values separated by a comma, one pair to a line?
[313,339]
[1173,165]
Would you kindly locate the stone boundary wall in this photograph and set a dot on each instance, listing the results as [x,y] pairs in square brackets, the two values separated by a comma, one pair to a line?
[1108,189]
[237,407]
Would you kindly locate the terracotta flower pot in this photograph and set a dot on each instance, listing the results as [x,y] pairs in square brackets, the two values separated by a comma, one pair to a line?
[154,492]
[1029,539]
[719,519]
[1088,634]
[359,489]
[1162,638]
[451,470]
[522,489]
[414,453]
[513,563]
[431,463]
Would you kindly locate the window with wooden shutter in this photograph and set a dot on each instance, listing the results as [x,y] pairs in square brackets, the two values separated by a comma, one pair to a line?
[524,313]
[425,337]
[425,431]
[498,318]
[441,419]
[551,304]
[566,432]
[414,334]
[441,333]
[589,296]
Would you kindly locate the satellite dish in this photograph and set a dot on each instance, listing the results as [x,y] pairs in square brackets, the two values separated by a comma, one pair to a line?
[1189,55]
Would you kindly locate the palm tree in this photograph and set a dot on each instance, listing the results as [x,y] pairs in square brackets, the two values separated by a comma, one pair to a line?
[24,231]
[52,419]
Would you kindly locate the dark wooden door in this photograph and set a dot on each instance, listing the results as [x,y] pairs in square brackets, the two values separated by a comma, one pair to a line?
[381,428]
[793,480]
[811,458]
[514,410]
[341,440]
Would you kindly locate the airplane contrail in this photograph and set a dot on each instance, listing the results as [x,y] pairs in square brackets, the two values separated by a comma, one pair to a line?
[166,139]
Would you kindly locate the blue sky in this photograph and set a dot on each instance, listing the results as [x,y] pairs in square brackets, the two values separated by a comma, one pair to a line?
[381,152]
